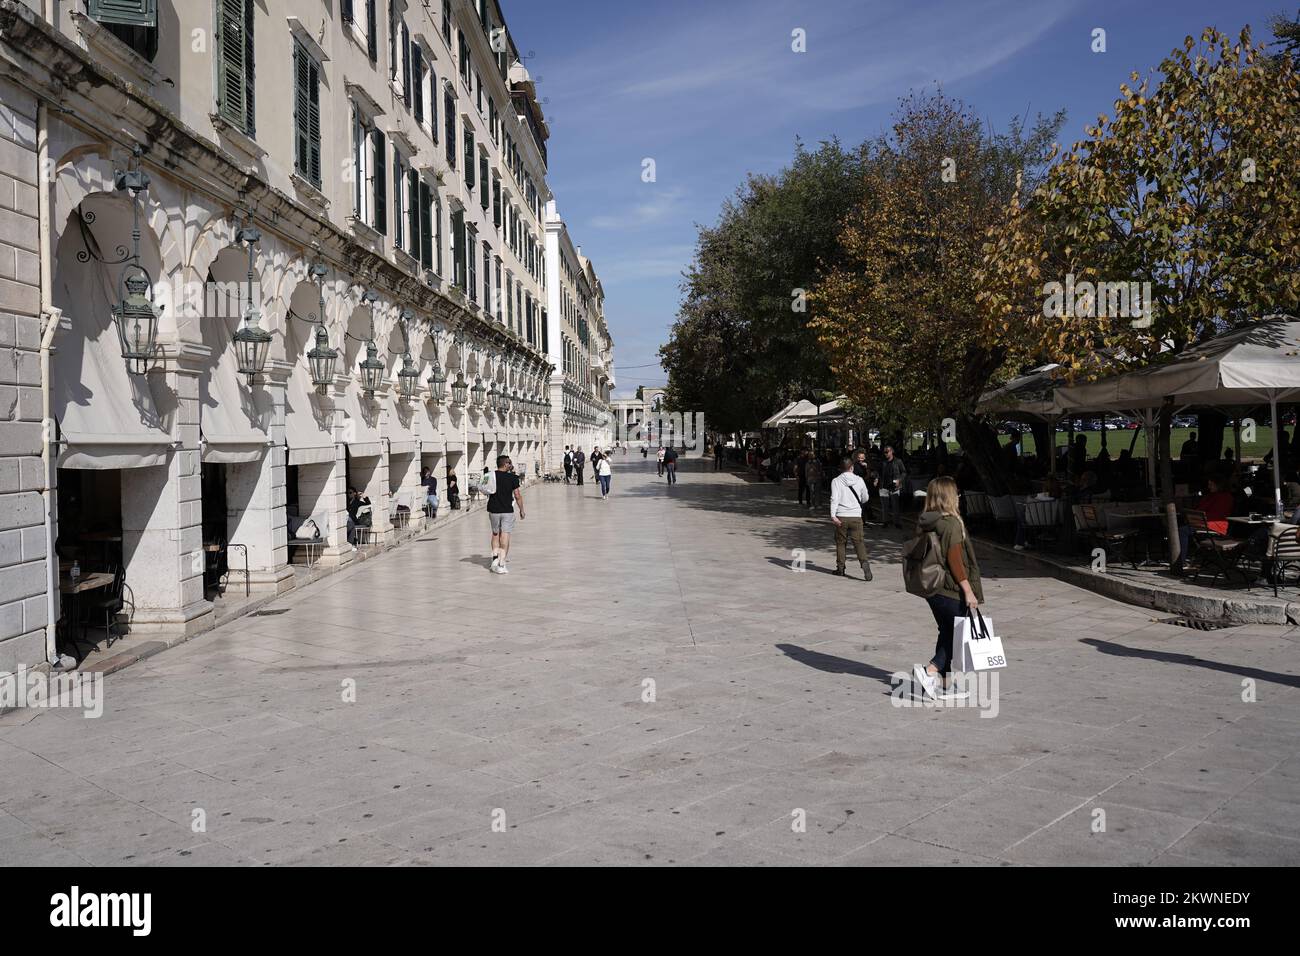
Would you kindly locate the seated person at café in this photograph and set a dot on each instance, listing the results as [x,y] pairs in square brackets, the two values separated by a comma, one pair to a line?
[359,514]
[1217,503]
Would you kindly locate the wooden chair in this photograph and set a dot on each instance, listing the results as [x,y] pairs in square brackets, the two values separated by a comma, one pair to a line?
[1283,554]
[1213,550]
[1004,513]
[113,603]
[1097,529]
[1042,520]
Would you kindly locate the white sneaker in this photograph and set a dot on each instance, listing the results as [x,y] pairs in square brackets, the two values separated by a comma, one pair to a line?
[925,680]
[496,562]
[502,569]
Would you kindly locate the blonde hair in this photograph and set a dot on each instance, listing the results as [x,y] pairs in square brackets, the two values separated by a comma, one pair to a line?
[941,496]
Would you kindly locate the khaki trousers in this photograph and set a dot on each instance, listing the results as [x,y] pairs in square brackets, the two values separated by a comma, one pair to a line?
[849,529]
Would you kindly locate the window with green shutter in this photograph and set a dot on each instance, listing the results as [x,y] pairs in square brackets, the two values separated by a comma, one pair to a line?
[469,155]
[235,63]
[399,193]
[379,181]
[458,247]
[415,237]
[484,199]
[134,22]
[306,115]
[427,227]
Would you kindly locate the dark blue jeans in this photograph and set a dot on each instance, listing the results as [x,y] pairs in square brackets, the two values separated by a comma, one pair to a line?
[945,610]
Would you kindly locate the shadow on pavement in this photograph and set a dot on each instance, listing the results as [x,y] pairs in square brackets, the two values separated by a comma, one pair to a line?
[1121,650]
[835,665]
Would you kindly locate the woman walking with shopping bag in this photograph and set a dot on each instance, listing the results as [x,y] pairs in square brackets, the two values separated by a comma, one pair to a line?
[959,587]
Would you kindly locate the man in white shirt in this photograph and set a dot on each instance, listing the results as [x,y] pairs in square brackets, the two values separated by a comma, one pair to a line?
[848,494]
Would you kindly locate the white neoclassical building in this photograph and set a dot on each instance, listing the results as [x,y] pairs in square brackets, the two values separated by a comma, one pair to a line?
[254,253]
[581,349]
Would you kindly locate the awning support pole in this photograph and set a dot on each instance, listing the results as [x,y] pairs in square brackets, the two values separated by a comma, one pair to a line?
[1277,458]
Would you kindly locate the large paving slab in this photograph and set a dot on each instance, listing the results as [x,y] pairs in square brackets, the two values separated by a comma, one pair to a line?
[775,734]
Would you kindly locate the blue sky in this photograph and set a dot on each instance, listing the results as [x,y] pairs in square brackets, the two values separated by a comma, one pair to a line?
[711,90]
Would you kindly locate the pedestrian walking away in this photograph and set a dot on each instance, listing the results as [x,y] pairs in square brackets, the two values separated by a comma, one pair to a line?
[893,475]
[579,460]
[670,464]
[848,498]
[814,475]
[568,464]
[862,468]
[430,483]
[959,590]
[801,473]
[503,492]
[603,474]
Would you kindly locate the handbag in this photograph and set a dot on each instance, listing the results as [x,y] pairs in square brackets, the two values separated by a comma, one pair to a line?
[975,645]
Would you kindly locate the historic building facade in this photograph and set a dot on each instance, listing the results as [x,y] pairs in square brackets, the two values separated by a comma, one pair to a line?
[581,350]
[254,253]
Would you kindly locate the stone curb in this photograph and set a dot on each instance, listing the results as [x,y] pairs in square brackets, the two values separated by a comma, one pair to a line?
[1231,610]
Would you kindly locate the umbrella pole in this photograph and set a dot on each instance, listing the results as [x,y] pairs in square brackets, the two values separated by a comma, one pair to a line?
[1236,443]
[1151,451]
[1277,458]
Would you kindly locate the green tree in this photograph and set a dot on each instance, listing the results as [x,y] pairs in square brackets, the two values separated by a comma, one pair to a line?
[898,315]
[1193,186]
[741,346]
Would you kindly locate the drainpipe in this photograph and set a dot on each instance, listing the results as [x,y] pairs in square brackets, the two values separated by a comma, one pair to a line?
[52,317]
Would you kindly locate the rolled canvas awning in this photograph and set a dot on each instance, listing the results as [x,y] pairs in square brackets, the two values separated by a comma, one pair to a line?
[308,422]
[108,418]
[401,426]
[430,437]
[234,418]
[360,424]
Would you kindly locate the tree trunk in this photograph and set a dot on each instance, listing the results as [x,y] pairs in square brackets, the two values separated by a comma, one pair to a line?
[1209,435]
[1043,434]
[980,444]
[1163,461]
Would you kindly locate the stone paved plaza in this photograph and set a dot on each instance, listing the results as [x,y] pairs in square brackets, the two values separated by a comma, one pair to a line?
[772,695]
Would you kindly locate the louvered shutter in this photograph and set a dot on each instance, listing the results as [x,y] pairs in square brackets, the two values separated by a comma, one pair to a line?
[306,115]
[407,74]
[417,81]
[231,88]
[345,9]
[381,188]
[372,41]
[134,13]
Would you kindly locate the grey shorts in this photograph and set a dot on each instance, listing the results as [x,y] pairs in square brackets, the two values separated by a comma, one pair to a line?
[503,523]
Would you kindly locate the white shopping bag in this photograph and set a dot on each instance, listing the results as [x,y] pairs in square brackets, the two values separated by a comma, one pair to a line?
[975,647]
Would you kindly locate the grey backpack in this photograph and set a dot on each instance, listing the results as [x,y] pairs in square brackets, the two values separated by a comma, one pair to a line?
[923,567]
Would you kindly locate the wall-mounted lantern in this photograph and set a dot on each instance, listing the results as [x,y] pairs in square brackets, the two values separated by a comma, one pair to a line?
[137,316]
[408,378]
[322,359]
[252,342]
[372,370]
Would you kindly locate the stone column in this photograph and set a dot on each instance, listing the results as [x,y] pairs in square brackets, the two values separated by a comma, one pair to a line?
[162,515]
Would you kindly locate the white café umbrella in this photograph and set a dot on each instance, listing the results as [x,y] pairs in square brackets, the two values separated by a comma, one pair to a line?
[1256,362]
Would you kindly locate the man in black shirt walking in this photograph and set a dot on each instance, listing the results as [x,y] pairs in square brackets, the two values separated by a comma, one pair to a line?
[503,492]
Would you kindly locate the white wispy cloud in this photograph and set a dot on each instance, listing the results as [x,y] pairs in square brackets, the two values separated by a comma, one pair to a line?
[662,203]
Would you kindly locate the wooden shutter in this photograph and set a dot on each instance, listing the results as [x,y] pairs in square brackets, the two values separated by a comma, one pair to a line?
[345,9]
[232,91]
[372,41]
[484,199]
[407,74]
[380,181]
[306,115]
[133,13]
[399,179]
[417,82]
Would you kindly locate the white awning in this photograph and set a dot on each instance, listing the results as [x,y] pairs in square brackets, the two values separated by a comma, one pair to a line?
[308,421]
[108,418]
[361,423]
[427,419]
[234,418]
[401,424]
